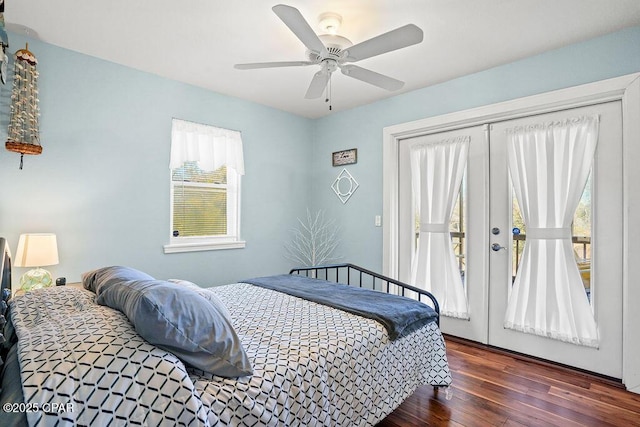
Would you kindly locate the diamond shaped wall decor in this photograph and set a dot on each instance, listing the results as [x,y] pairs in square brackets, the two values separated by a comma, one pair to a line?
[344,186]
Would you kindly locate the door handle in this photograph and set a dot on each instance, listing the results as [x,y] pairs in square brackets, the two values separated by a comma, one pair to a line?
[496,247]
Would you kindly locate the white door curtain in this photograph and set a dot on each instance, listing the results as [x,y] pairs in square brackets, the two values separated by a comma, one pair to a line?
[436,174]
[549,164]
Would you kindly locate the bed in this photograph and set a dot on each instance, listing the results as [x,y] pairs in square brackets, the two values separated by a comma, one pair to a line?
[70,358]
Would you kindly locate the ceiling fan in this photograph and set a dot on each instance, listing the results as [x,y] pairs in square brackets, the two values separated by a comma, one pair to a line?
[333,52]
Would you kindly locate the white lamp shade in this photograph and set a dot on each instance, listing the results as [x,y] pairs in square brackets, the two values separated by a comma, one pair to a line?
[36,250]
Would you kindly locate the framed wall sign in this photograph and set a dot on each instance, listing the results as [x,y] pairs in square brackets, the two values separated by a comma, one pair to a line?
[345,157]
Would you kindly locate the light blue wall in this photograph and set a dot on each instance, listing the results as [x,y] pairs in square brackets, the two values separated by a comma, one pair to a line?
[601,58]
[102,182]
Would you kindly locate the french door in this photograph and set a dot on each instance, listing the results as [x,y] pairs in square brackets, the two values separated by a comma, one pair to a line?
[470,253]
[489,239]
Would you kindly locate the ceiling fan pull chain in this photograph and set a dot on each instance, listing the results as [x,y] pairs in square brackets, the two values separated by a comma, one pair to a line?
[329,93]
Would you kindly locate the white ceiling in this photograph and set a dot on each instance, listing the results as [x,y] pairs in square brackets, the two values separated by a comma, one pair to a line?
[199,41]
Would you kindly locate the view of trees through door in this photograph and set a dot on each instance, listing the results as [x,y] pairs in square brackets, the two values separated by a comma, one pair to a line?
[581,236]
[456,228]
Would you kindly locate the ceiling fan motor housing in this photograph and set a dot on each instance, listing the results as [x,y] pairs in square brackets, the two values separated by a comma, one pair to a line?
[335,45]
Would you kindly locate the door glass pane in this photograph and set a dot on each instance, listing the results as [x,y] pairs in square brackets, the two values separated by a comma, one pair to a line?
[457,227]
[581,231]
[519,231]
[581,236]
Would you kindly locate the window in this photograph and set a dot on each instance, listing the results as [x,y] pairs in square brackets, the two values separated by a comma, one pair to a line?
[206,168]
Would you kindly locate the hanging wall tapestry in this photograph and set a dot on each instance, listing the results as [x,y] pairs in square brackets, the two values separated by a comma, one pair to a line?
[23,134]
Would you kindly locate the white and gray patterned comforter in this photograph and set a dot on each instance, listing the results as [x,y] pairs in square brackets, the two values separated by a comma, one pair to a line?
[84,364]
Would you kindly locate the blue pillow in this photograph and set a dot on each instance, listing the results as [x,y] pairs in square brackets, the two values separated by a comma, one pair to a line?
[177,319]
[209,296]
[104,277]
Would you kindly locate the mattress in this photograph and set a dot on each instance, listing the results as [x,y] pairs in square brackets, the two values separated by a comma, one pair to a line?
[82,363]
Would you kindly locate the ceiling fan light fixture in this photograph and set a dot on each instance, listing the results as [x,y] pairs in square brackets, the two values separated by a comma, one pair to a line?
[330,22]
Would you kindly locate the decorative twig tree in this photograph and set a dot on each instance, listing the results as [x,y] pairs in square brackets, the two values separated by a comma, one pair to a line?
[314,241]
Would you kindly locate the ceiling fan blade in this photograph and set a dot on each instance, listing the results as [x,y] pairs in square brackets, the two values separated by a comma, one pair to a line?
[255,65]
[371,77]
[318,84]
[300,27]
[387,42]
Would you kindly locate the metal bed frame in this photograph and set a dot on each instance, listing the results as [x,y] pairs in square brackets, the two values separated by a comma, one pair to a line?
[351,274]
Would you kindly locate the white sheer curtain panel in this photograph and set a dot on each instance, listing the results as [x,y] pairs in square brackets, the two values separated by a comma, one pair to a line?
[209,146]
[549,165]
[436,173]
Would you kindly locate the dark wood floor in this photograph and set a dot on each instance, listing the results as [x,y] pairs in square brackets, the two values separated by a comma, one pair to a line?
[499,389]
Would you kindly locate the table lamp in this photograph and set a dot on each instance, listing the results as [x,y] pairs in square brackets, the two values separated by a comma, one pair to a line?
[36,250]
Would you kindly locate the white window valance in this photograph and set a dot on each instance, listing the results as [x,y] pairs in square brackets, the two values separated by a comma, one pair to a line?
[211,147]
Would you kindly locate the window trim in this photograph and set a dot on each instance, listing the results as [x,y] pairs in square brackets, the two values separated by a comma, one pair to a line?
[232,239]
[173,248]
